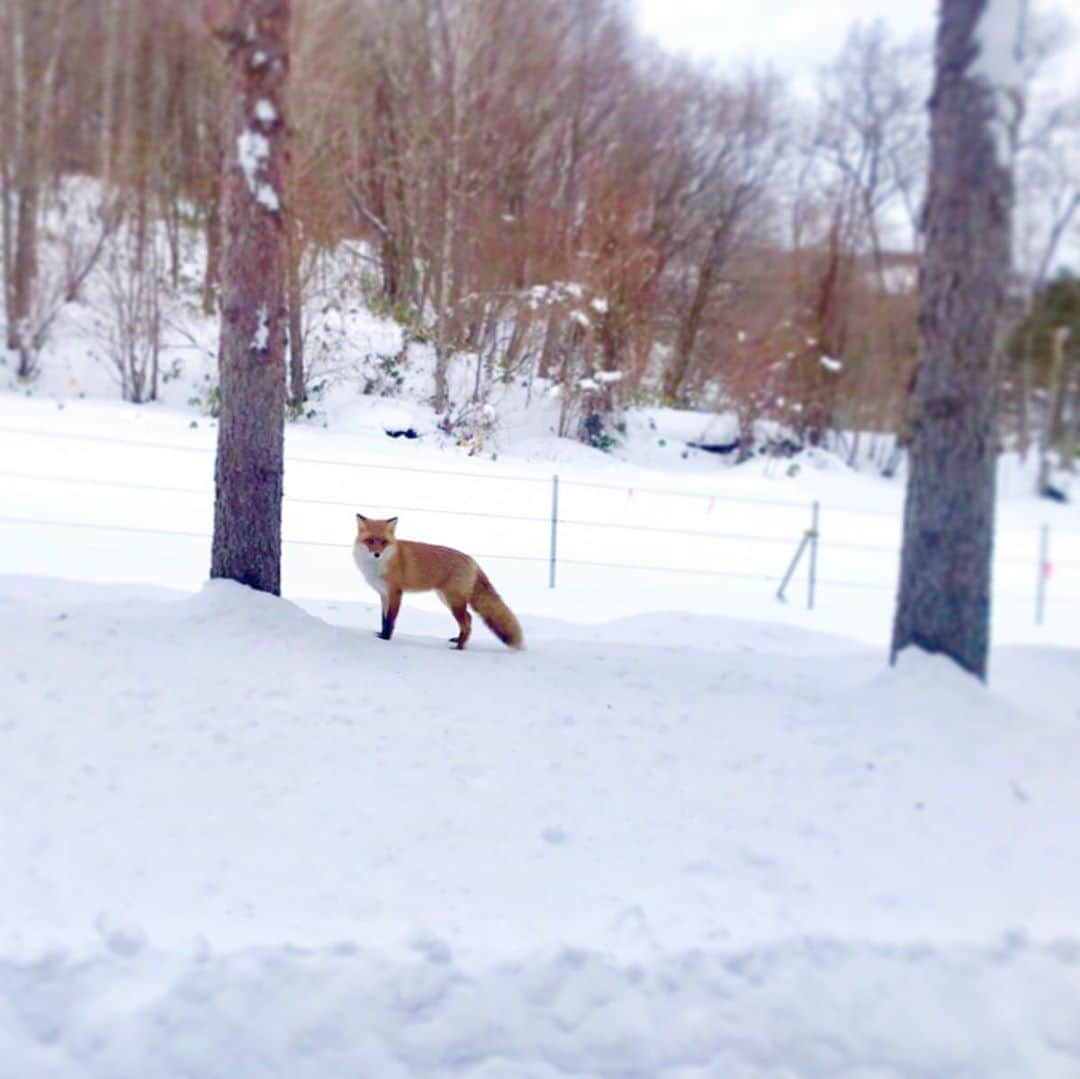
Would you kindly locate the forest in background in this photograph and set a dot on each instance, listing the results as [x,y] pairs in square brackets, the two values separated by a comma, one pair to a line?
[531,182]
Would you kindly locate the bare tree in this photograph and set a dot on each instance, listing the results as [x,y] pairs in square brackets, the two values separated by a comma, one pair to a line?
[487,155]
[37,99]
[944,596]
[132,278]
[871,145]
[247,507]
[35,38]
[1048,202]
[1053,420]
[739,155]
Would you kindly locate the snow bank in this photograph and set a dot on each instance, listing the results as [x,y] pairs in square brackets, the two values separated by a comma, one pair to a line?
[806,1008]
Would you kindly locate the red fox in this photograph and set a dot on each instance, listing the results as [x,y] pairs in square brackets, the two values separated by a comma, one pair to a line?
[392,566]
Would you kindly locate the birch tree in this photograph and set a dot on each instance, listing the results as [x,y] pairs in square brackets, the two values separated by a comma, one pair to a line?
[944,597]
[247,507]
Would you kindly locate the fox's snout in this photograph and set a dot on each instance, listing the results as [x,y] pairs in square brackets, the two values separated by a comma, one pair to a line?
[375,545]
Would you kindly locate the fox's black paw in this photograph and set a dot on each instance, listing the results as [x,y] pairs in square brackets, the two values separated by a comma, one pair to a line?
[383,636]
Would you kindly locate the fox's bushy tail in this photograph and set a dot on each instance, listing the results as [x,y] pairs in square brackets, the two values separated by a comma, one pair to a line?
[489,605]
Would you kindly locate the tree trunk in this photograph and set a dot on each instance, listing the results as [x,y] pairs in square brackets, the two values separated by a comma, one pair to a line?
[211,173]
[24,269]
[295,301]
[943,603]
[549,350]
[212,270]
[386,172]
[248,475]
[445,282]
[677,368]
[7,233]
[1071,436]
[444,289]
[28,45]
[1023,403]
[8,140]
[1055,407]
[110,18]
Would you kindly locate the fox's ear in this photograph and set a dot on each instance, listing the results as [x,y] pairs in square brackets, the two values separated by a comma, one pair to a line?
[391,521]
[361,518]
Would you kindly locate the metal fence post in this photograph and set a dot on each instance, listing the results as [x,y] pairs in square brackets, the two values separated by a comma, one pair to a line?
[554,527]
[791,567]
[1044,569]
[809,539]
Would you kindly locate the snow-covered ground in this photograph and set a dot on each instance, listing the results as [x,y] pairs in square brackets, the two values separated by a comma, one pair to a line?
[244,838]
[687,833]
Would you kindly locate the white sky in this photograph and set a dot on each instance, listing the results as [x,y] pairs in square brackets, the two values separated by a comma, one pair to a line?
[796,36]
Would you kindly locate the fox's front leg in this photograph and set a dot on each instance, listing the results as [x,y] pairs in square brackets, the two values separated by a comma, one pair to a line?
[390,606]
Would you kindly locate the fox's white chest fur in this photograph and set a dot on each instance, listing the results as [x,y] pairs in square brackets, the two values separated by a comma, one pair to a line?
[374,569]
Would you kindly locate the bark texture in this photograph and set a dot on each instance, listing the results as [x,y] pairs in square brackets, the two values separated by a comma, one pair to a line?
[944,595]
[294,299]
[32,71]
[247,508]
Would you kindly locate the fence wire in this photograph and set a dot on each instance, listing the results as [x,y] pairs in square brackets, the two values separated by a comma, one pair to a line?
[713,499]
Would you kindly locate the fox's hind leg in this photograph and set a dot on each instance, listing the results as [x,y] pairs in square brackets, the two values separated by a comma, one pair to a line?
[460,611]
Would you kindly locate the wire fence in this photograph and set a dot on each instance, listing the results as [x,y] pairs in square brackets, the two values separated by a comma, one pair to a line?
[795,543]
